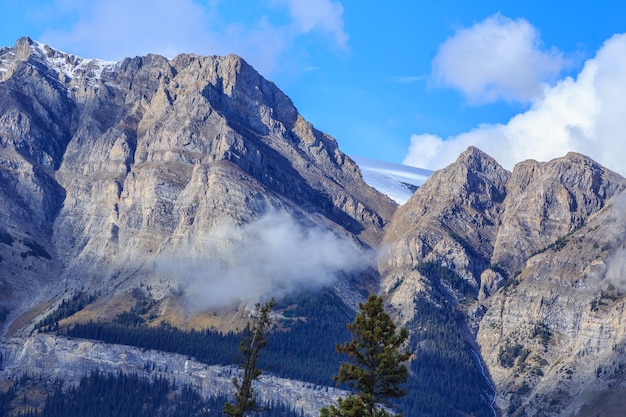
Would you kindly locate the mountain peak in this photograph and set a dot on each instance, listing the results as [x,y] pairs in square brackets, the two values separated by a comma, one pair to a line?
[582,160]
[478,161]
[66,66]
[473,173]
[23,47]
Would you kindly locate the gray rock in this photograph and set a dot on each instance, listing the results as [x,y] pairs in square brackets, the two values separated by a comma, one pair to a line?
[52,358]
[542,246]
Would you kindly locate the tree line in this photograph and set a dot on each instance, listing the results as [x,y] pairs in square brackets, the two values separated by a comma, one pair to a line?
[304,350]
[445,376]
[128,395]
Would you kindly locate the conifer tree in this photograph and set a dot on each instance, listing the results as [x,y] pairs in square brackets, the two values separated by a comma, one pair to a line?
[254,338]
[376,370]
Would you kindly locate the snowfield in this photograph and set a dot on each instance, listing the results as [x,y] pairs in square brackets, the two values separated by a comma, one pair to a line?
[397,181]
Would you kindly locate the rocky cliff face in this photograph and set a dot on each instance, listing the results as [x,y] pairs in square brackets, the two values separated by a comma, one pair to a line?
[541,249]
[554,340]
[105,165]
[452,219]
[53,358]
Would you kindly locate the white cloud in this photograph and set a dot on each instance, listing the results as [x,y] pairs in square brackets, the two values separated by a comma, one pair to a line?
[270,257]
[323,15]
[495,59]
[115,29]
[585,115]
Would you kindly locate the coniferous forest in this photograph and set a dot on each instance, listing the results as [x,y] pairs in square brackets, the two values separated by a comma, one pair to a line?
[444,373]
[306,351]
[122,395]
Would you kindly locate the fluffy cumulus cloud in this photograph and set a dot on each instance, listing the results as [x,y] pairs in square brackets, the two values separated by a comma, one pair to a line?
[270,257]
[498,58]
[115,29]
[583,114]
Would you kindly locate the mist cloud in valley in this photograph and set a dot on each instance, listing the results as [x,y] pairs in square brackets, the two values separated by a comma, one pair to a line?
[614,242]
[616,270]
[270,257]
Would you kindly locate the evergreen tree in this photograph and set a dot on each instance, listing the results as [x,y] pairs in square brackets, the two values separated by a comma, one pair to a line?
[254,338]
[376,373]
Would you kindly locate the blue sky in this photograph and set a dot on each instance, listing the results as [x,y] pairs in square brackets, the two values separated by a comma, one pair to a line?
[401,81]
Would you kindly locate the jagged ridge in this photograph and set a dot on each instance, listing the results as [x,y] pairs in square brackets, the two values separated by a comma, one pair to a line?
[536,248]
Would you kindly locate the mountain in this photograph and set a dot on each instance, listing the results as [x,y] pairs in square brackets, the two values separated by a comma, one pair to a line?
[108,165]
[147,204]
[171,194]
[528,265]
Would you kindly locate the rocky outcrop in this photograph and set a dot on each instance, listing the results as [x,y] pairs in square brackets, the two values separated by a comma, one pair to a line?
[542,247]
[548,201]
[58,358]
[565,316]
[484,222]
[453,219]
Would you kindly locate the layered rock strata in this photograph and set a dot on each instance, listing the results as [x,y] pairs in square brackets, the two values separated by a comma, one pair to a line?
[543,248]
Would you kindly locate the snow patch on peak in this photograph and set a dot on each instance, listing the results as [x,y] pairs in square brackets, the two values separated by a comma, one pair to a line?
[71,65]
[67,66]
[397,181]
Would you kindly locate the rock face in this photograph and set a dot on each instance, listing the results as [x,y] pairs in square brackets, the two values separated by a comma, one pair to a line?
[104,165]
[542,248]
[57,358]
[452,219]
